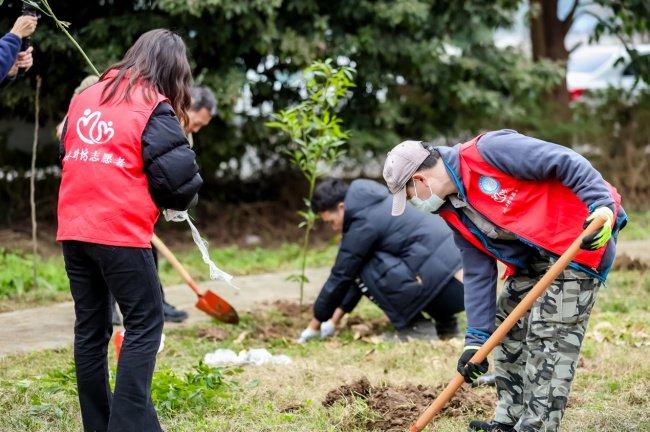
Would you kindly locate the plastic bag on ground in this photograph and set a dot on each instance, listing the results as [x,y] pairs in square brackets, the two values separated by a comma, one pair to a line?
[257,357]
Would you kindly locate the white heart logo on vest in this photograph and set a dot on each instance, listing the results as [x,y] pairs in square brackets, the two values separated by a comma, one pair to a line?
[92,130]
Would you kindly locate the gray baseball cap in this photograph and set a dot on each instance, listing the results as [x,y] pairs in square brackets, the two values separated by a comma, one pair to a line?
[402,162]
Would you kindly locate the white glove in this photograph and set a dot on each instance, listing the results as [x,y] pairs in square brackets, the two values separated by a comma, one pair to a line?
[327,329]
[307,334]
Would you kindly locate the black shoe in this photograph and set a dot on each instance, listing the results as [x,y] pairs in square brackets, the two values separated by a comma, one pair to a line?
[172,314]
[491,426]
[423,329]
[448,329]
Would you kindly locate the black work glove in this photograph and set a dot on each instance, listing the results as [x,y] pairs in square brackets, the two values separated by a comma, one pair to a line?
[471,371]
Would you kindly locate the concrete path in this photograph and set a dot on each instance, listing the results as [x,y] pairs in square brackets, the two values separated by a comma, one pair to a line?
[639,249]
[52,326]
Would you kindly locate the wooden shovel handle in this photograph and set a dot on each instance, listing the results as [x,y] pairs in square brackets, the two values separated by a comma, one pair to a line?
[155,240]
[495,339]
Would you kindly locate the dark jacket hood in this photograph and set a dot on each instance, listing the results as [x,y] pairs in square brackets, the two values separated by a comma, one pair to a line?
[361,195]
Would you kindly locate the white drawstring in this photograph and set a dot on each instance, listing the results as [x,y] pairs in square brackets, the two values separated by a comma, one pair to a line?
[215,272]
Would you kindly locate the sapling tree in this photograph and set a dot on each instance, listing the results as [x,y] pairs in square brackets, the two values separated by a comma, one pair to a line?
[32,181]
[316,136]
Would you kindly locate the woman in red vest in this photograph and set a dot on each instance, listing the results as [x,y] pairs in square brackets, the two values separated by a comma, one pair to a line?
[124,156]
[521,201]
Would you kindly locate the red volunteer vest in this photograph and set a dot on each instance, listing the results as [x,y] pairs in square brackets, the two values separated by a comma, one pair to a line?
[104,196]
[546,213]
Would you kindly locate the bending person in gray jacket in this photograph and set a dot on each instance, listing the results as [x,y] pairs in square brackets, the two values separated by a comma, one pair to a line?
[406,266]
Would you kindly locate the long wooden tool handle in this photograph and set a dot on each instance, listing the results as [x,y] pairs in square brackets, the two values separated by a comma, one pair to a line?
[155,240]
[495,339]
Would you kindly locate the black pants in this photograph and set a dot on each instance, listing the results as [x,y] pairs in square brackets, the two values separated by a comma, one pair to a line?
[154,252]
[444,307]
[129,274]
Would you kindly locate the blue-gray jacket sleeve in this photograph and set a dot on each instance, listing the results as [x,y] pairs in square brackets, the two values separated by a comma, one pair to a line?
[480,280]
[357,243]
[532,159]
[9,48]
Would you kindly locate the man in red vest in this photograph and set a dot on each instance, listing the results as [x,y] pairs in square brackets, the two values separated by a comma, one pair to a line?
[522,201]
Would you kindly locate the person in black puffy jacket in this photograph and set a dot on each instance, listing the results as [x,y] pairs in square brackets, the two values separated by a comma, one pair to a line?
[406,266]
[124,156]
[202,109]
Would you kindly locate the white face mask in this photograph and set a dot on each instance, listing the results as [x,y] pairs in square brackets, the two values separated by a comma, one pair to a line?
[429,205]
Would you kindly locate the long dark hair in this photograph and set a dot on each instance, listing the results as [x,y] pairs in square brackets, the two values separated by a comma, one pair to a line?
[158,59]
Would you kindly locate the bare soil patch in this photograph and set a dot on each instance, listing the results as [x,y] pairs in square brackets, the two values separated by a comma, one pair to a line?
[625,262]
[285,319]
[396,407]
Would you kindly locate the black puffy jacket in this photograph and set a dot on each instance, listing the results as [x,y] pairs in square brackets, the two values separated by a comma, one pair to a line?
[403,261]
[169,162]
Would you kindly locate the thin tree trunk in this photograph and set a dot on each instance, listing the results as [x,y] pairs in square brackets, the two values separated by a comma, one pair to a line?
[547,35]
[305,245]
[537,36]
[32,181]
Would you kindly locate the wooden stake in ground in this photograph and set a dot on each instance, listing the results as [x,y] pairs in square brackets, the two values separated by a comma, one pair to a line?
[32,181]
[522,308]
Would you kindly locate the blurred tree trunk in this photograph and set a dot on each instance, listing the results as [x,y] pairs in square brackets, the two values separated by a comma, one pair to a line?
[32,181]
[547,34]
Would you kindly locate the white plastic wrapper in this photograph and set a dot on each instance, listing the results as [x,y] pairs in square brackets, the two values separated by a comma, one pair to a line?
[162,343]
[257,357]
[215,272]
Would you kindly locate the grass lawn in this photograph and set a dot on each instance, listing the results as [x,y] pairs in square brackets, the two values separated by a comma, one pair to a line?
[611,391]
[638,227]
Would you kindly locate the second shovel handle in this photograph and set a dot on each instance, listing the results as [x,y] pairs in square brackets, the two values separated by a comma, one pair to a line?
[164,250]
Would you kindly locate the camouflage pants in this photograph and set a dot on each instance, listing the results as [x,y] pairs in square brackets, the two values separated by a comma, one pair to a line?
[535,364]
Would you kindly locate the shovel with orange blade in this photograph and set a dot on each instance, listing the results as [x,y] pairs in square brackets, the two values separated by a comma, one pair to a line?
[522,308]
[209,302]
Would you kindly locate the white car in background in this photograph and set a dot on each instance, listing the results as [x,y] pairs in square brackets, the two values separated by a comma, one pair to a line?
[596,67]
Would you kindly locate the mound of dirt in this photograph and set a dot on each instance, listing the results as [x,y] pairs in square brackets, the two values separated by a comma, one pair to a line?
[285,319]
[290,309]
[625,262]
[359,388]
[396,407]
